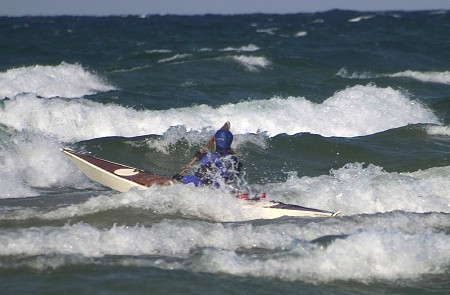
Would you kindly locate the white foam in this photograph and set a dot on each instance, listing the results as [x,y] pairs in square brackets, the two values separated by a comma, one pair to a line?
[427,77]
[30,161]
[76,120]
[353,189]
[443,11]
[318,21]
[364,257]
[174,238]
[301,34]
[247,48]
[432,77]
[64,80]
[269,31]
[439,130]
[343,72]
[360,18]
[174,58]
[389,246]
[252,63]
[181,199]
[357,189]
[404,247]
[158,51]
[355,111]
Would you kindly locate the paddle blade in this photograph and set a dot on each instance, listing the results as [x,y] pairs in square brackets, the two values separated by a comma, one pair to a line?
[226,126]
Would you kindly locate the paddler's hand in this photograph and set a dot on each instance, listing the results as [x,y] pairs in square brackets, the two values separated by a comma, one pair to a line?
[199,155]
[177,177]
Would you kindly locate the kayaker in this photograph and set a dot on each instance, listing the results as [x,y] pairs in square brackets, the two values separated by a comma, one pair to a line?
[219,166]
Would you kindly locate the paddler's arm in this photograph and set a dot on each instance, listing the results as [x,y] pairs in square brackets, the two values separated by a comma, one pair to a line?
[197,156]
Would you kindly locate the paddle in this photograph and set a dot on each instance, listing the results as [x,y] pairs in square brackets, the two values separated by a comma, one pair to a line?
[204,149]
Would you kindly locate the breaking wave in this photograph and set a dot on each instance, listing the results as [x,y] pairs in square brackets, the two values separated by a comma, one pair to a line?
[64,80]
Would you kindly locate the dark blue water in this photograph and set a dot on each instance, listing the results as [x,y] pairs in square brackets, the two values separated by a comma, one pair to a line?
[338,110]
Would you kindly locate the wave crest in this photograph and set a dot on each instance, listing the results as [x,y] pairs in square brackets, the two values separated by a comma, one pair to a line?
[64,80]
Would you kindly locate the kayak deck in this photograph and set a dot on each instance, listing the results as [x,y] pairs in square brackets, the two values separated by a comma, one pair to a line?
[114,175]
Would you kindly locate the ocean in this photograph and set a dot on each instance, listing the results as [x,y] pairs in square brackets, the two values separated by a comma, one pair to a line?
[339,110]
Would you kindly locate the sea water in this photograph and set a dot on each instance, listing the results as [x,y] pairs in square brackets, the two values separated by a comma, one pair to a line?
[338,110]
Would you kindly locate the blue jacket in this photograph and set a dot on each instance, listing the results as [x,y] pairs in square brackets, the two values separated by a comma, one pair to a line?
[214,168]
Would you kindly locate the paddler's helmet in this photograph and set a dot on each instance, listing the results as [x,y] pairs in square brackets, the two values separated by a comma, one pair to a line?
[223,138]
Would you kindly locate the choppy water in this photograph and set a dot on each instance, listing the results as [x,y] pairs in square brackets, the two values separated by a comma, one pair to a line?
[339,111]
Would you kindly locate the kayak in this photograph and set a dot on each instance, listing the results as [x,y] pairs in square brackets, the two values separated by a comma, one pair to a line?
[122,178]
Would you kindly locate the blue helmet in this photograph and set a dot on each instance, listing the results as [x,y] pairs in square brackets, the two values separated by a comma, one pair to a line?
[223,138]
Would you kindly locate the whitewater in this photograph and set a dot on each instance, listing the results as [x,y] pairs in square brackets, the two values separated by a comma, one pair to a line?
[340,111]
[356,111]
